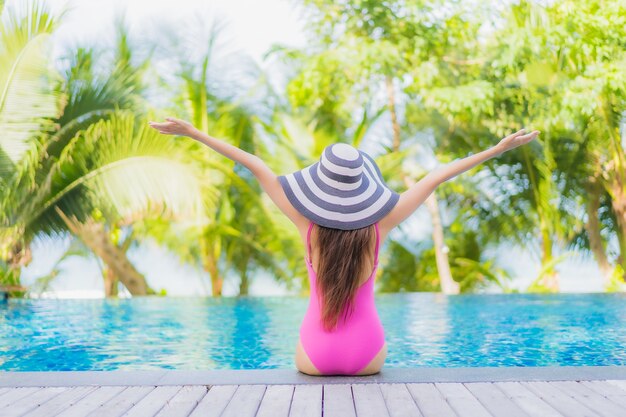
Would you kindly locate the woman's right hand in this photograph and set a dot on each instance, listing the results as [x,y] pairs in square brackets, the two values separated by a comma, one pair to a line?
[516,139]
[174,126]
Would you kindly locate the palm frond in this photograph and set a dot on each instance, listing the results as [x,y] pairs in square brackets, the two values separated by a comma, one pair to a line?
[28,96]
[123,168]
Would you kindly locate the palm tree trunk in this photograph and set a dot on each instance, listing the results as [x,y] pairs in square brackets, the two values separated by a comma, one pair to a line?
[94,236]
[448,285]
[549,277]
[110,283]
[244,285]
[618,203]
[593,228]
[613,183]
[217,281]
[394,116]
[19,255]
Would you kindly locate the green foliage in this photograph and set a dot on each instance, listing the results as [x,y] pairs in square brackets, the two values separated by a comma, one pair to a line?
[459,76]
[405,270]
[29,96]
[616,282]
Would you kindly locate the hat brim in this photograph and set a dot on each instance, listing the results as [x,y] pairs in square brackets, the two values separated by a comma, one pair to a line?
[311,193]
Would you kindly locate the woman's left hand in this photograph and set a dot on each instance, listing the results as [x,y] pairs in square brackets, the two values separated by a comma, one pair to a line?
[516,139]
[174,126]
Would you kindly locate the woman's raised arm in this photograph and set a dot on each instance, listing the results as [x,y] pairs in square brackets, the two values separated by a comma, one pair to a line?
[266,177]
[417,193]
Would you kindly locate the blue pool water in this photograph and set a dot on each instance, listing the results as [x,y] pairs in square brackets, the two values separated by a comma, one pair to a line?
[422,329]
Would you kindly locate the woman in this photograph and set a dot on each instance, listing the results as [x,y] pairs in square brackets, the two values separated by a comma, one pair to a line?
[344,211]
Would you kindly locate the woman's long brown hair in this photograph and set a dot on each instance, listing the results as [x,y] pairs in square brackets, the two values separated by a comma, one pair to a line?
[343,256]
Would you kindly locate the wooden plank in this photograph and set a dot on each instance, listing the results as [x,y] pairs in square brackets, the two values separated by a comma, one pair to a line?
[461,400]
[369,401]
[156,399]
[429,400]
[338,401]
[16,394]
[215,401]
[32,401]
[494,400]
[245,401]
[527,400]
[590,398]
[563,403]
[184,401]
[618,383]
[123,402]
[605,388]
[62,401]
[610,391]
[91,401]
[307,401]
[276,401]
[399,401]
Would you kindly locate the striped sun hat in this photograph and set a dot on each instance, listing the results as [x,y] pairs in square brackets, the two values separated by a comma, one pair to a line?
[343,190]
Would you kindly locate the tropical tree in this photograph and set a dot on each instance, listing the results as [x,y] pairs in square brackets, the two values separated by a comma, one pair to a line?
[392,51]
[544,74]
[594,105]
[31,97]
[88,176]
[112,173]
[242,229]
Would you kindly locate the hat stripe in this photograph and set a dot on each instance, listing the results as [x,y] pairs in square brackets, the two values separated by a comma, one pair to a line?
[338,177]
[319,211]
[334,183]
[373,171]
[340,169]
[313,172]
[307,183]
[354,164]
[341,205]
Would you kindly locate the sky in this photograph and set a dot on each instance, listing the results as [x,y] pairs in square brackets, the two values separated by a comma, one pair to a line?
[251,27]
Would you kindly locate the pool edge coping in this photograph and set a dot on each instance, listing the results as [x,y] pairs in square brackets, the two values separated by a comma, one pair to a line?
[294,377]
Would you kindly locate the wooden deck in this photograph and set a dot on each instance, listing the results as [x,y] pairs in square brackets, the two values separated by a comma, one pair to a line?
[438,399]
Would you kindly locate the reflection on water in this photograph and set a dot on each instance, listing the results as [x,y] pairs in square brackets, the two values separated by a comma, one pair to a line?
[421,329]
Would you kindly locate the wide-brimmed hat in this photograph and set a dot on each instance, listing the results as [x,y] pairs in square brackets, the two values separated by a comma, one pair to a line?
[343,190]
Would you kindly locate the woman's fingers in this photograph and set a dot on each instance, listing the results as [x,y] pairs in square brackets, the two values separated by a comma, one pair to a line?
[164,128]
[527,138]
[531,134]
[176,121]
[518,138]
[522,135]
[172,126]
[161,125]
[516,134]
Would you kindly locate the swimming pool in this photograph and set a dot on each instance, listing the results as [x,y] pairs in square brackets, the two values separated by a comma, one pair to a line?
[422,329]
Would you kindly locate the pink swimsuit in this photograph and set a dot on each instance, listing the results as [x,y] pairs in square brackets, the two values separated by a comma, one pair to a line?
[354,343]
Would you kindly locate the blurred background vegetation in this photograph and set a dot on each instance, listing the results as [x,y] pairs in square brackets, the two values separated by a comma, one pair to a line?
[78,159]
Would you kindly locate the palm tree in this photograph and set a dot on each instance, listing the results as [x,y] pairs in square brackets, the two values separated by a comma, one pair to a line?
[30,98]
[92,174]
[567,86]
[107,176]
[241,227]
